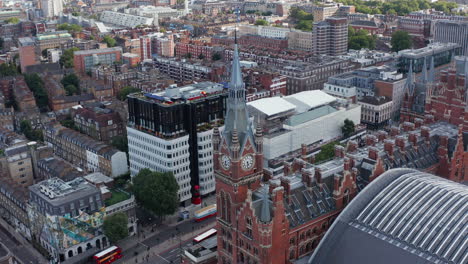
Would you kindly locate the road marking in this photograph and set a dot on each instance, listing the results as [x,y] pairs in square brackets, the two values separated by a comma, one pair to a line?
[164,258]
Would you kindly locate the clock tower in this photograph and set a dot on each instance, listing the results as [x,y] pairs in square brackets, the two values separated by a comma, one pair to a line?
[238,163]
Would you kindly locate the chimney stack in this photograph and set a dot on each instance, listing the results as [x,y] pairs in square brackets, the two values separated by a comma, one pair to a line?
[394,131]
[352,146]
[382,135]
[373,153]
[425,132]
[428,119]
[400,142]
[408,126]
[339,151]
[389,146]
[371,140]
[418,122]
[413,138]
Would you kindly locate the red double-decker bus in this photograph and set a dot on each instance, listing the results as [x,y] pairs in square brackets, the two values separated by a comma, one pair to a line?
[108,256]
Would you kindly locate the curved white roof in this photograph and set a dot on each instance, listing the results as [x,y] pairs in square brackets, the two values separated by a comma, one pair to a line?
[309,99]
[272,105]
[404,216]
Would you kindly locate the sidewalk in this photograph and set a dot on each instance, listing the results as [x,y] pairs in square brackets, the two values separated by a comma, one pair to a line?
[145,232]
[28,247]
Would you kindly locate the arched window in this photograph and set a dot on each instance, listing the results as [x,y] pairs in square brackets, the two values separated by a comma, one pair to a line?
[291,254]
[80,250]
[70,253]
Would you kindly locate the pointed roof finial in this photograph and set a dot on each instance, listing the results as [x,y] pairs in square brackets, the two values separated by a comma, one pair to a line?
[431,71]
[424,72]
[409,79]
[265,215]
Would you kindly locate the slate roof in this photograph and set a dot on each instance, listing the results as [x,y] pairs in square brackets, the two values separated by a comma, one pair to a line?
[404,216]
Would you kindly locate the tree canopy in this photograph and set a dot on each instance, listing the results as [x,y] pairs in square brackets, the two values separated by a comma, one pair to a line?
[348,128]
[304,19]
[326,152]
[360,39]
[12,20]
[398,7]
[120,143]
[29,132]
[156,191]
[216,56]
[401,40]
[71,28]
[126,91]
[71,83]
[109,41]
[36,85]
[66,60]
[116,227]
[8,69]
[261,22]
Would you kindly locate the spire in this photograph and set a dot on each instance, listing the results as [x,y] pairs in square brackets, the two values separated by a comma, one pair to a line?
[424,72]
[431,71]
[265,215]
[237,117]
[409,79]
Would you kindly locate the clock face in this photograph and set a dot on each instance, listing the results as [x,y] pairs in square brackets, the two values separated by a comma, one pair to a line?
[225,162]
[247,162]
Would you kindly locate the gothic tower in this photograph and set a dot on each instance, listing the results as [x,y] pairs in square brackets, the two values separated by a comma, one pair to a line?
[238,164]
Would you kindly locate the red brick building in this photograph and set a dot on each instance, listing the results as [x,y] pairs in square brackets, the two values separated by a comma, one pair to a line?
[194,48]
[284,219]
[443,100]
[85,60]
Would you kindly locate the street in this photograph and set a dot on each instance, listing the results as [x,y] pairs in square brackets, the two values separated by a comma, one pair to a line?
[167,241]
[23,253]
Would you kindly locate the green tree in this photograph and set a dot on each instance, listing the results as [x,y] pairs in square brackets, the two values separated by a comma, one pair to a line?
[120,143]
[109,41]
[36,85]
[116,227]
[401,40]
[12,20]
[201,56]
[360,39]
[348,128]
[1,43]
[71,28]
[126,91]
[71,90]
[261,22]
[8,69]
[305,25]
[326,152]
[156,191]
[216,56]
[188,55]
[29,132]
[71,79]
[66,60]
[69,123]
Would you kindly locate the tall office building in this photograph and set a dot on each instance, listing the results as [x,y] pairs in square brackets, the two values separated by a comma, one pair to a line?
[85,60]
[172,131]
[452,31]
[330,37]
[51,8]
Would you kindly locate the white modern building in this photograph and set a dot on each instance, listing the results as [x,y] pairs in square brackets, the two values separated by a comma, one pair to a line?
[264,31]
[158,154]
[155,12]
[126,20]
[309,117]
[53,55]
[171,131]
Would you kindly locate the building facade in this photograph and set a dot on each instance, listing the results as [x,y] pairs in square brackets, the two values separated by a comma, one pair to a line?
[101,124]
[376,112]
[447,31]
[172,131]
[88,154]
[330,37]
[84,61]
